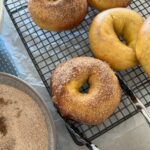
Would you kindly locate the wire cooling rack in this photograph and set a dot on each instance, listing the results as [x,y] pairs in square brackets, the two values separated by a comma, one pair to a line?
[48,49]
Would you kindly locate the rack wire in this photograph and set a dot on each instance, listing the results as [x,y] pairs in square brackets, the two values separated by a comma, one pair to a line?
[48,49]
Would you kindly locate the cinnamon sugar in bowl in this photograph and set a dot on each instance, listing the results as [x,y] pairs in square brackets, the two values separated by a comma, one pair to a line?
[25,121]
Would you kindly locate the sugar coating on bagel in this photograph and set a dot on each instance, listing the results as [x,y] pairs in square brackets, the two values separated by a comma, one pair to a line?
[107,4]
[143,46]
[104,35]
[57,15]
[103,95]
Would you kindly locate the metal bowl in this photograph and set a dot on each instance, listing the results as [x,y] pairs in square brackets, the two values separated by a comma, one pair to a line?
[23,86]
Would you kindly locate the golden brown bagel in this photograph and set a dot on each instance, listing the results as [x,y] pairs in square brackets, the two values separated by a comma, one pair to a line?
[143,46]
[57,15]
[103,95]
[104,33]
[106,4]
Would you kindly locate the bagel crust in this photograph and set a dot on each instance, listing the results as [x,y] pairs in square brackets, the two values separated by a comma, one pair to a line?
[102,98]
[143,46]
[58,15]
[104,35]
[107,4]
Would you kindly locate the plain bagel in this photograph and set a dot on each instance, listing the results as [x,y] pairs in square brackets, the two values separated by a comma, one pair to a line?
[143,46]
[104,37]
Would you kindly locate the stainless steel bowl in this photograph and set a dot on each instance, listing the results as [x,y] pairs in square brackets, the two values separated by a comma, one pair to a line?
[23,86]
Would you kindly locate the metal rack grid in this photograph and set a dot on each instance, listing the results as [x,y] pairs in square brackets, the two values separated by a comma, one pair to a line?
[47,49]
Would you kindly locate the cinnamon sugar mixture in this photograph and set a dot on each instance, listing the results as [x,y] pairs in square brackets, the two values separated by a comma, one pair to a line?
[22,124]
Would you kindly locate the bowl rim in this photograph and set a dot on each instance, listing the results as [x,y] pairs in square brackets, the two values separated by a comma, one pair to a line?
[53,128]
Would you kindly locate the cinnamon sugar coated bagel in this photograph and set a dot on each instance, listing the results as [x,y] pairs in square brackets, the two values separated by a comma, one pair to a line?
[98,103]
[104,35]
[106,4]
[143,46]
[57,15]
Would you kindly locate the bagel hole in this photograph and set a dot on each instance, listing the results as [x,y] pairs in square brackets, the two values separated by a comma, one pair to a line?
[85,87]
[123,40]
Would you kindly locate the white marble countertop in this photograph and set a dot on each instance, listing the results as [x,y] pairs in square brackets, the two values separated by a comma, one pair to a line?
[133,134]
